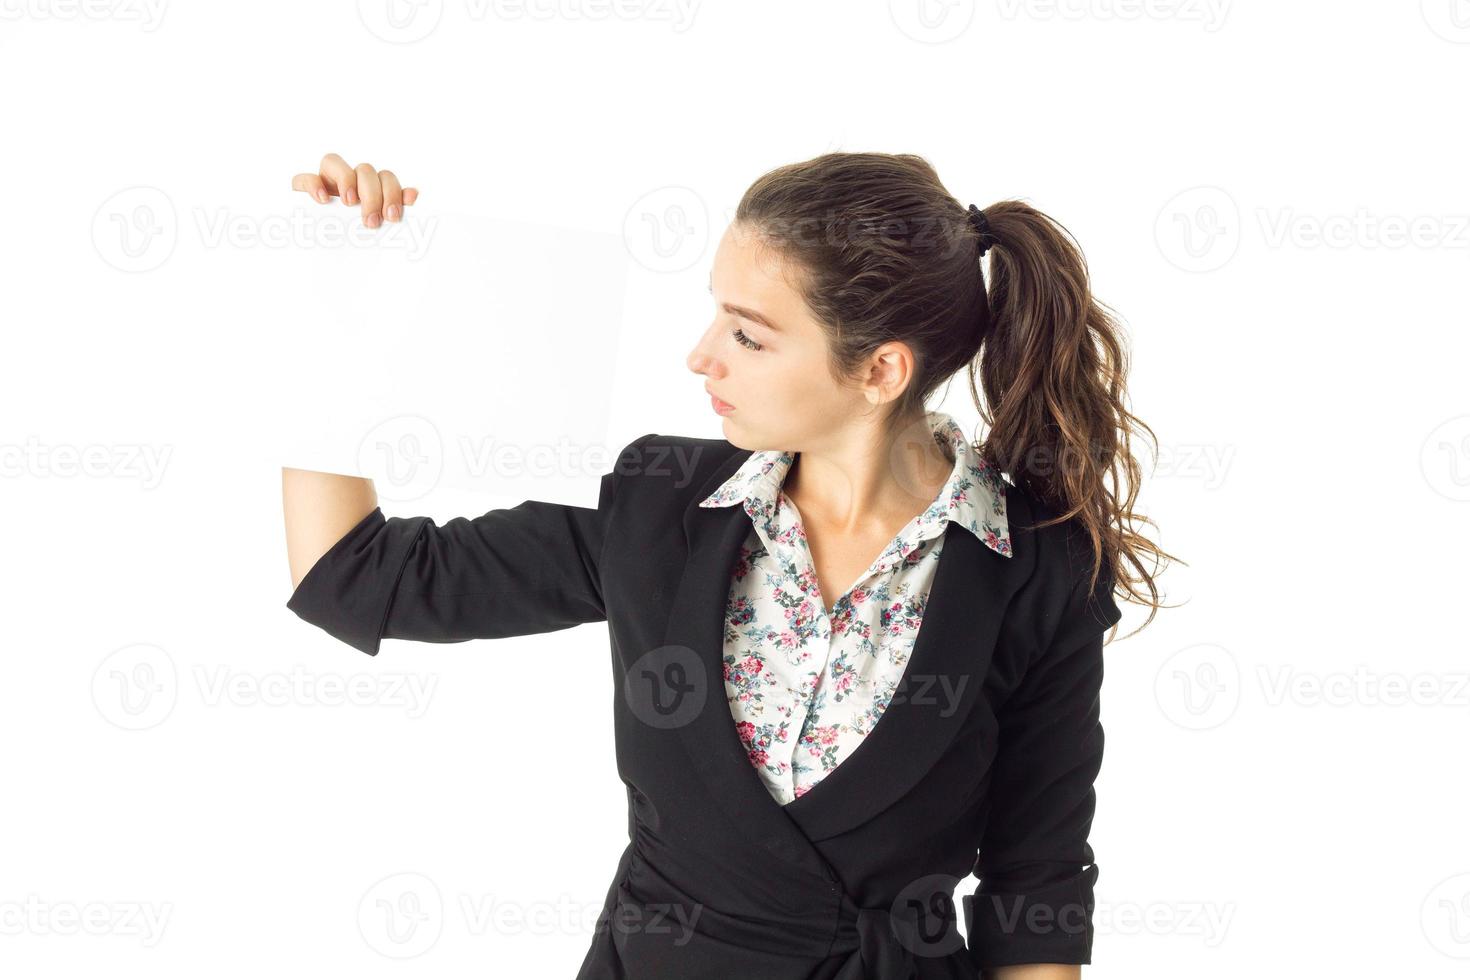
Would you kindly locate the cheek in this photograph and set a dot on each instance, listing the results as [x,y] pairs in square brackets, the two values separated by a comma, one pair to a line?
[802,377]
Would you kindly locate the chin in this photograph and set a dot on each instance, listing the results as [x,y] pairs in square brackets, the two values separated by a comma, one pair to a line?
[735,435]
[740,439]
[732,433]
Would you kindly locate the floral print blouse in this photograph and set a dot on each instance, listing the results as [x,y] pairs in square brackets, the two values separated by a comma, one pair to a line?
[804,687]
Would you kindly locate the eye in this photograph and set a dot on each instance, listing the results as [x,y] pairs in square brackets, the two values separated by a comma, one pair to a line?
[745,341]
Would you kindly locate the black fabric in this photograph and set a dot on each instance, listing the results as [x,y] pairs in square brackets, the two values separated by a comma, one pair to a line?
[984,761]
[532,568]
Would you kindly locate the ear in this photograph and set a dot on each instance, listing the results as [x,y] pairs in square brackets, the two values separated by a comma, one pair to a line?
[891,369]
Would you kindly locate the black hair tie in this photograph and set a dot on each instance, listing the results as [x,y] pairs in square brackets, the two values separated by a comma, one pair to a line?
[982,225]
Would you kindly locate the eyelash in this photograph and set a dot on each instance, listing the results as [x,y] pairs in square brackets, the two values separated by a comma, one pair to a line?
[744,341]
[739,335]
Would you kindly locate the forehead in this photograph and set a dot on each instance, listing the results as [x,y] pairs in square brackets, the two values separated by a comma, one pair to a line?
[753,272]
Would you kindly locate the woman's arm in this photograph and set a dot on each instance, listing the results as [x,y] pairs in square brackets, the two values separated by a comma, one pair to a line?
[511,571]
[320,508]
[1033,909]
[1034,971]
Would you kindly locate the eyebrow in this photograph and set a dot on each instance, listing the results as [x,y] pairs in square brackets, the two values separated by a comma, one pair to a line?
[741,311]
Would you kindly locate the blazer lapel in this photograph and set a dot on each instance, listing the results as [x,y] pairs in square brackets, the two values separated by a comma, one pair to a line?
[945,674]
[946,671]
[697,624]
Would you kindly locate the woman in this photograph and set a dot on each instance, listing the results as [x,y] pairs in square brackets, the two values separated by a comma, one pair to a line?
[823,727]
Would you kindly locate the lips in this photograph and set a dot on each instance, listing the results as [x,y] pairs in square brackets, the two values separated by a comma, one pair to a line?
[718,401]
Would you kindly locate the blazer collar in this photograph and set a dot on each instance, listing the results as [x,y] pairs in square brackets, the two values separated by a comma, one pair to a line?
[972,587]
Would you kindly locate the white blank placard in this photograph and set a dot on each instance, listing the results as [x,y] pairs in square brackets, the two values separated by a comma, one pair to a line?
[452,349]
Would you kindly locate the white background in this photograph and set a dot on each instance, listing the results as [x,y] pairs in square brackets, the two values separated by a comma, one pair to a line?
[1271,194]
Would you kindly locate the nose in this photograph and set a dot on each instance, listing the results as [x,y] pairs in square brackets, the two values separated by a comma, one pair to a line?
[702,361]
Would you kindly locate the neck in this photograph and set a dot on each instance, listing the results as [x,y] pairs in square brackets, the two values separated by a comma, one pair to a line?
[857,484]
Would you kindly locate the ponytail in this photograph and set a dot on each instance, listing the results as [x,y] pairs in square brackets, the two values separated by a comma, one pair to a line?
[1052,367]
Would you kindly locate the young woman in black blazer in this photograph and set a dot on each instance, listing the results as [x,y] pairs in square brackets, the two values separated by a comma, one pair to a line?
[848,288]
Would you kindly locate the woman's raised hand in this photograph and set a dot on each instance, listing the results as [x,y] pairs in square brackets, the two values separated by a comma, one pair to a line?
[378,191]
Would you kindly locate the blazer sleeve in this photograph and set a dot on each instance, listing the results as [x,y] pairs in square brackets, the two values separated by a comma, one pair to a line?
[532,568]
[1034,902]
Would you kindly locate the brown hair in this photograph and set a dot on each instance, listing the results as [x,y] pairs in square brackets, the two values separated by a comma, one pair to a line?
[881,251]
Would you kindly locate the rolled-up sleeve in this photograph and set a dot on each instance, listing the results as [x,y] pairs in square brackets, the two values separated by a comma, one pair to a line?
[1034,902]
[532,568]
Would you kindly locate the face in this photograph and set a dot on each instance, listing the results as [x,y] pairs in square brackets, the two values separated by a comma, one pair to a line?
[764,354]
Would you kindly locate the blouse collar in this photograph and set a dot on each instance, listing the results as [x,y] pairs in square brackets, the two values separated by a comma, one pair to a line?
[973,497]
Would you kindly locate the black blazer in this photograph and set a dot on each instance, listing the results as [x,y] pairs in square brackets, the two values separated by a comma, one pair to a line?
[984,761]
